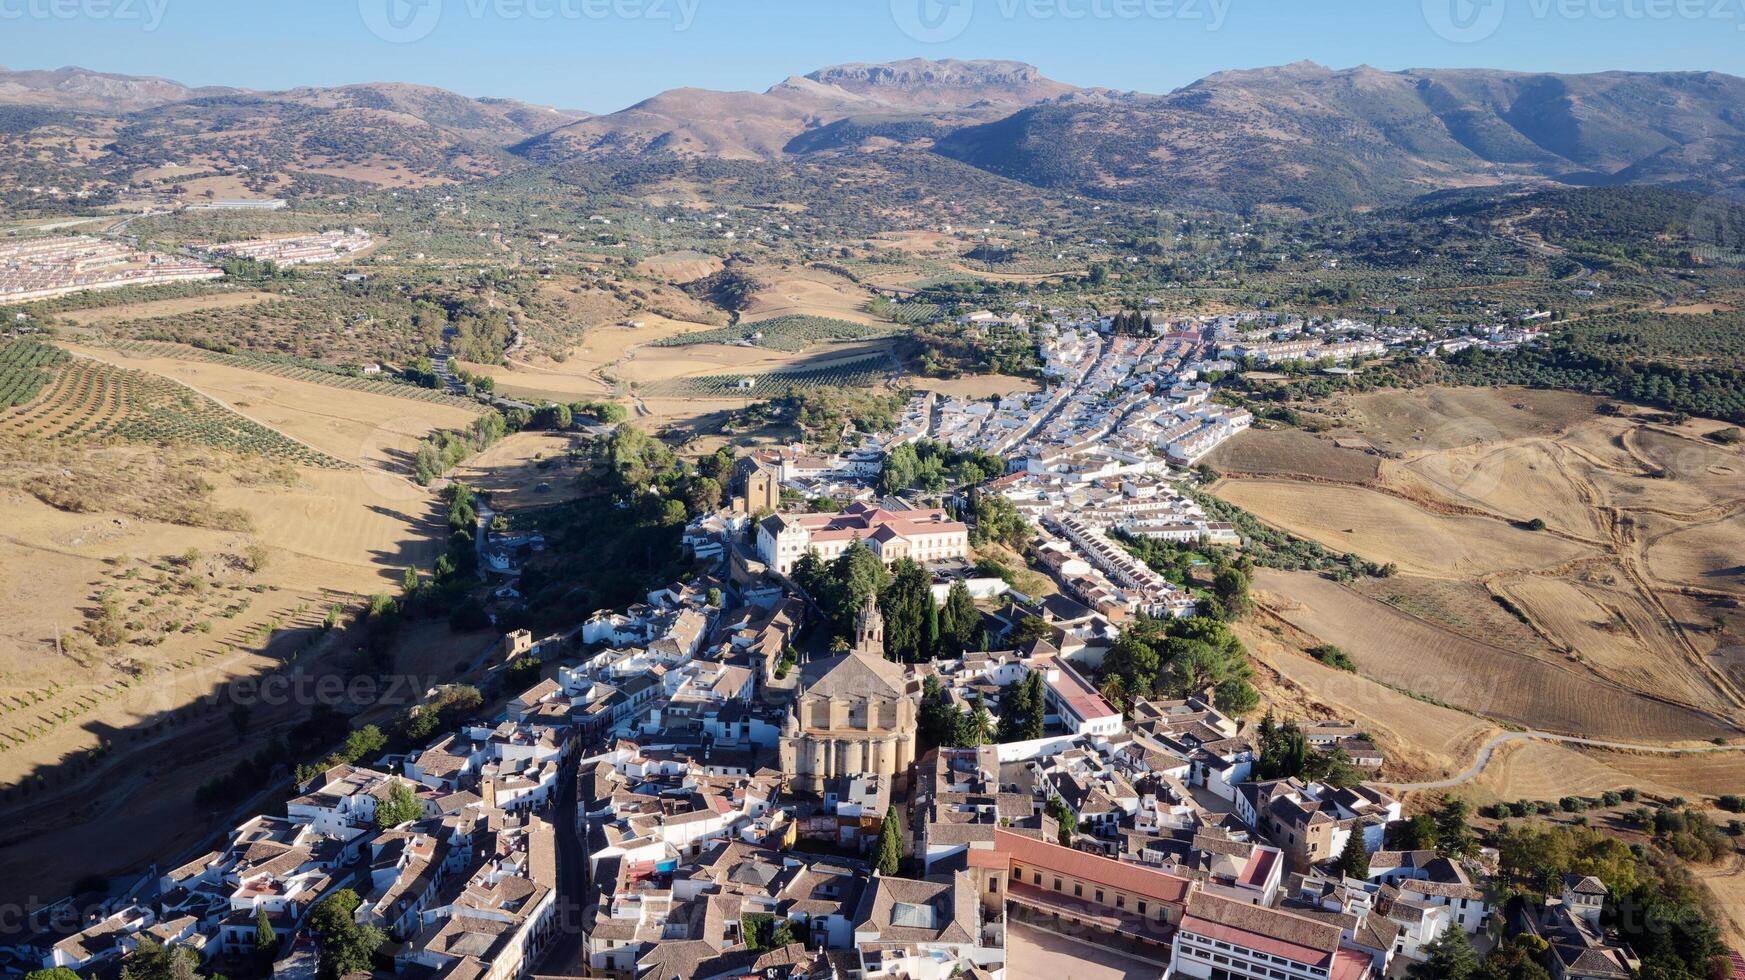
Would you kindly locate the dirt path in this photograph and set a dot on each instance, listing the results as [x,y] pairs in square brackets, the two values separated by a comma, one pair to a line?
[1489,749]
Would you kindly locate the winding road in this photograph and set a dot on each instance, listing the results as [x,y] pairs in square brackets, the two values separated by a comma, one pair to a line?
[1489,748]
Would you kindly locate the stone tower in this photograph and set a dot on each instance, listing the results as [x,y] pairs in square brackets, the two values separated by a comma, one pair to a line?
[763,491]
[869,632]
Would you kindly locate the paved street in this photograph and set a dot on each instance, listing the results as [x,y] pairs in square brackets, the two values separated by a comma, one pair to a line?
[564,958]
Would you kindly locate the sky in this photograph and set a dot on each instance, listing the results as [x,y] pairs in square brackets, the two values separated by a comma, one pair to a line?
[602,55]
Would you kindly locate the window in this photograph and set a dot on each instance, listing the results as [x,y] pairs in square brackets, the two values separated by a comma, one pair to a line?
[1057,884]
[1078,890]
[1036,878]
[1099,896]
[1142,906]
[1120,901]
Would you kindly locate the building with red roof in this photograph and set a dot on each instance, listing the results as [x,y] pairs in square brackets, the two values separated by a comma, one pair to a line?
[1074,891]
[1224,939]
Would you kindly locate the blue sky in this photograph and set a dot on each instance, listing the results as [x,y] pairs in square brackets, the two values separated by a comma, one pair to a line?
[602,55]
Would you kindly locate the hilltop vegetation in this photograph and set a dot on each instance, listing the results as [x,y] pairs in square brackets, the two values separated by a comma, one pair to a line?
[1694,365]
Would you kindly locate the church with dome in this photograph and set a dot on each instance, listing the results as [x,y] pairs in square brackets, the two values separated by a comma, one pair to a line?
[855,713]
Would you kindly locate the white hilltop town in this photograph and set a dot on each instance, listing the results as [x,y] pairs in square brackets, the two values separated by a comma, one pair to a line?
[706,786]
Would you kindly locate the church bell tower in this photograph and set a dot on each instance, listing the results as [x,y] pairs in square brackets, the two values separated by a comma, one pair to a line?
[869,633]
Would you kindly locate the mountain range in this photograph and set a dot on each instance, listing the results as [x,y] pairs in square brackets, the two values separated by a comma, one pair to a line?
[1301,136]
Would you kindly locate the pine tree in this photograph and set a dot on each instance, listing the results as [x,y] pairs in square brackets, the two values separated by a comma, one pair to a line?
[1453,836]
[904,605]
[933,638]
[890,851]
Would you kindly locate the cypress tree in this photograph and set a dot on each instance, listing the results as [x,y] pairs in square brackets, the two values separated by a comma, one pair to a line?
[266,940]
[890,851]
[1354,859]
[1035,707]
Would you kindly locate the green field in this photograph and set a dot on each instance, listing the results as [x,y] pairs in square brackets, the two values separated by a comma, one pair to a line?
[784,333]
[861,373]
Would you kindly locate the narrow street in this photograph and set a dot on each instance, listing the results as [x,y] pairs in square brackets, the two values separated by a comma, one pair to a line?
[566,957]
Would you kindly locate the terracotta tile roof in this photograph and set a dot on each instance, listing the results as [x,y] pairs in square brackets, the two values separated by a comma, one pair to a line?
[1313,942]
[1293,937]
[1032,853]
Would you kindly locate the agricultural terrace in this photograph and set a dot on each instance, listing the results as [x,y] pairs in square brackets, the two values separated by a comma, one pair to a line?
[294,368]
[89,399]
[864,372]
[906,313]
[25,367]
[786,333]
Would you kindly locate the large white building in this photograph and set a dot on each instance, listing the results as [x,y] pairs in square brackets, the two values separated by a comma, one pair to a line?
[921,535]
[1223,939]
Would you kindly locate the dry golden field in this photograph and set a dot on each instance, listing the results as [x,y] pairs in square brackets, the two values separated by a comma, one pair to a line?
[526,469]
[975,386]
[1422,741]
[137,580]
[681,267]
[799,291]
[1619,620]
[159,308]
[360,427]
[1385,528]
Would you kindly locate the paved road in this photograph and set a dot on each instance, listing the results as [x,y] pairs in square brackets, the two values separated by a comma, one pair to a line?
[1489,748]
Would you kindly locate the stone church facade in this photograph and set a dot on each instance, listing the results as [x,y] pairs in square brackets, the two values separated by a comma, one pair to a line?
[855,713]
